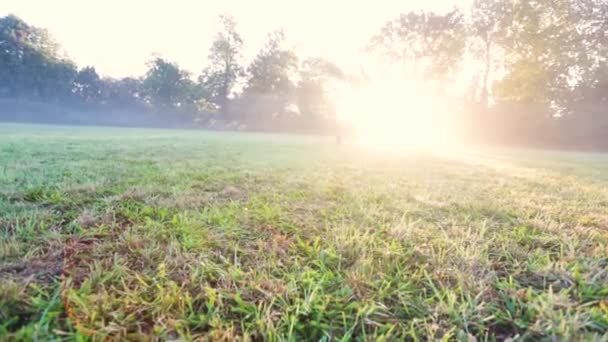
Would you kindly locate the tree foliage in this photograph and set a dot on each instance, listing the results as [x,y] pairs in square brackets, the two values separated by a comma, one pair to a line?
[432,44]
[220,77]
[273,67]
[488,27]
[88,85]
[317,76]
[30,62]
[123,93]
[270,84]
[166,85]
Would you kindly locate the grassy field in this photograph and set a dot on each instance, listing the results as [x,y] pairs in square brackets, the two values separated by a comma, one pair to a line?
[115,233]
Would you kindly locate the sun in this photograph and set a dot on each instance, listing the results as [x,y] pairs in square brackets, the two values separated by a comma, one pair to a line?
[393,113]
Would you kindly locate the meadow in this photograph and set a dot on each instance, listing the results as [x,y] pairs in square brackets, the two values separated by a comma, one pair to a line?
[114,233]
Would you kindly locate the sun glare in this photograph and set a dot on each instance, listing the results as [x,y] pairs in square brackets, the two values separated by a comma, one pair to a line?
[392,114]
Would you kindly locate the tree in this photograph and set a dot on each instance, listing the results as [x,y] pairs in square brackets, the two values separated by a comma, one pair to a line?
[592,52]
[166,85]
[125,92]
[430,43]
[30,62]
[270,87]
[488,27]
[316,76]
[88,85]
[273,67]
[548,48]
[220,77]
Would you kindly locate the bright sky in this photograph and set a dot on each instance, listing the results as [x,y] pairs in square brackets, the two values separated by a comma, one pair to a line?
[118,36]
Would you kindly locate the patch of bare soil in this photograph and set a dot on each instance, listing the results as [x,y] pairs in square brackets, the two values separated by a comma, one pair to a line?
[75,258]
[87,219]
[42,270]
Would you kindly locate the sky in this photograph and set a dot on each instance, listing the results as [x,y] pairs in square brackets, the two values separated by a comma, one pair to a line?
[119,36]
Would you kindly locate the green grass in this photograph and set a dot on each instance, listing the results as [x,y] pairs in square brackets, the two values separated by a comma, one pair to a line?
[115,233]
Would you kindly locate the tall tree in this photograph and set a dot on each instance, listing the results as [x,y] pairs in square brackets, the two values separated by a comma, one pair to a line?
[88,85]
[270,85]
[488,26]
[166,85]
[30,62]
[431,44]
[273,67]
[592,53]
[313,89]
[125,92]
[548,52]
[220,77]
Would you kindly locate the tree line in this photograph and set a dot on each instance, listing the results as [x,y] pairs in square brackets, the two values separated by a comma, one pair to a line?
[536,73]
[275,91]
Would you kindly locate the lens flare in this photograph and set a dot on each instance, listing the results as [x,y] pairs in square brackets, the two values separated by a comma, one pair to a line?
[395,114]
